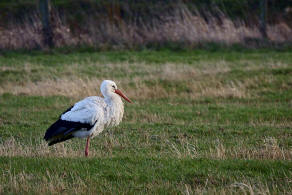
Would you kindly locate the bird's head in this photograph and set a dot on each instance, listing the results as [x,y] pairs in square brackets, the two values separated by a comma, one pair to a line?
[109,89]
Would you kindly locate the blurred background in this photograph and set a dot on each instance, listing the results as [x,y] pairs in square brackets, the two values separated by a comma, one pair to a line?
[119,24]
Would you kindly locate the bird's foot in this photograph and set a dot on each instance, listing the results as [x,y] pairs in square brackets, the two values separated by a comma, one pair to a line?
[86,153]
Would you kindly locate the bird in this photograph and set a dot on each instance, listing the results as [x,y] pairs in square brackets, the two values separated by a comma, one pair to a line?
[89,117]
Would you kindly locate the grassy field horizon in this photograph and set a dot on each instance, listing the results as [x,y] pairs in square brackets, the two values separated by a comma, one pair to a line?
[202,122]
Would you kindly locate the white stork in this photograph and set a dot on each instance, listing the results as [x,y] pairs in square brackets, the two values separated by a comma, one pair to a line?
[89,117]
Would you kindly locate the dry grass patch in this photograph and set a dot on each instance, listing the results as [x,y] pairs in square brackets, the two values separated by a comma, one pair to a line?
[183,150]
[10,147]
[185,81]
[215,88]
[50,183]
[284,123]
[269,150]
[64,87]
[244,187]
[87,87]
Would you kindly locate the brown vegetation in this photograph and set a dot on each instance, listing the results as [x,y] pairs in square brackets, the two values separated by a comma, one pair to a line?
[181,27]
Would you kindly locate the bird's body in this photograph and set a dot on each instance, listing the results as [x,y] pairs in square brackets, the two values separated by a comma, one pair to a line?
[89,117]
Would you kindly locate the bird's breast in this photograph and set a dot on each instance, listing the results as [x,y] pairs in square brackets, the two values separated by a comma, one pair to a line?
[114,114]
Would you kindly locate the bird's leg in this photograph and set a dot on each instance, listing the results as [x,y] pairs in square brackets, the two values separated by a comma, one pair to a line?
[87,146]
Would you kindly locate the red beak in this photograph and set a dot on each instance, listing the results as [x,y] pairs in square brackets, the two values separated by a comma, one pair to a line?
[117,91]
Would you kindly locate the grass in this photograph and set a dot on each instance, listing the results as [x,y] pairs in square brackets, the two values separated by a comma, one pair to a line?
[143,175]
[201,122]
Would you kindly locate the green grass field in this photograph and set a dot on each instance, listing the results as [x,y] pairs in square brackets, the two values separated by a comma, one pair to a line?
[201,122]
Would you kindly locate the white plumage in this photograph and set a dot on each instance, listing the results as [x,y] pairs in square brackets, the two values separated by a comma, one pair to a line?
[90,116]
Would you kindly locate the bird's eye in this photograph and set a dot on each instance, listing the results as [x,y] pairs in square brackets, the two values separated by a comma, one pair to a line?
[113,86]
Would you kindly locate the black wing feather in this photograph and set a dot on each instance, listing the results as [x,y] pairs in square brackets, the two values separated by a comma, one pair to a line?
[62,130]
[60,140]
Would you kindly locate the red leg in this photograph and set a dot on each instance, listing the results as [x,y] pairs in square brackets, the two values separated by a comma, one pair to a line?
[87,146]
